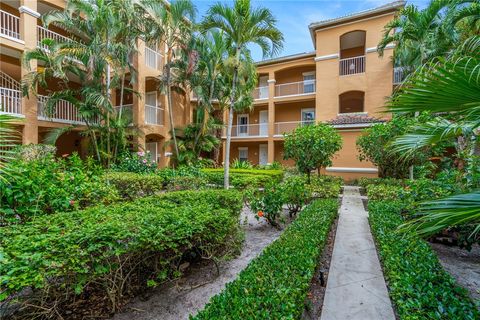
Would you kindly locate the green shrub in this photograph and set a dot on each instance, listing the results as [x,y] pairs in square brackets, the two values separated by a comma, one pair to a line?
[275,284]
[133,185]
[325,186]
[419,287]
[138,162]
[366,182]
[45,185]
[385,192]
[295,193]
[266,203]
[242,178]
[237,164]
[64,257]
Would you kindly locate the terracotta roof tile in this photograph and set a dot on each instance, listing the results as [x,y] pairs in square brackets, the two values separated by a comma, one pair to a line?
[354,119]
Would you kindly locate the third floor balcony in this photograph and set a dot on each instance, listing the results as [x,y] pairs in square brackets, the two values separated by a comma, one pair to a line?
[304,87]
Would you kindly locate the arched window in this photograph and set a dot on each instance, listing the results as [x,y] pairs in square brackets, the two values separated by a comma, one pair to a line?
[351,101]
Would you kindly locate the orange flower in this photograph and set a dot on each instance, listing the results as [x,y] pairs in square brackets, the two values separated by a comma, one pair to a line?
[260,213]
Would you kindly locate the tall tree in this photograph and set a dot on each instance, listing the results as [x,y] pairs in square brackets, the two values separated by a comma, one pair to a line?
[242,25]
[97,55]
[171,26]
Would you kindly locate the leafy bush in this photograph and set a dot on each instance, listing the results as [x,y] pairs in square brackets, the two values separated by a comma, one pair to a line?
[312,146]
[46,185]
[325,186]
[419,286]
[275,284]
[366,182]
[132,185]
[295,194]
[32,152]
[138,162]
[237,164]
[385,192]
[65,258]
[267,203]
[242,178]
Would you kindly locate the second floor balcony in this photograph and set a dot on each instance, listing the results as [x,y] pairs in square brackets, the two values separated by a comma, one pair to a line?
[9,25]
[305,87]
[282,128]
[249,131]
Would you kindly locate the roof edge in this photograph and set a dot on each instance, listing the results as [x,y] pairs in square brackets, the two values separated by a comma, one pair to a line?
[286,58]
[388,7]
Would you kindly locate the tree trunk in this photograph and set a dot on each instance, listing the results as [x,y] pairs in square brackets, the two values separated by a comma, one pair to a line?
[170,106]
[226,164]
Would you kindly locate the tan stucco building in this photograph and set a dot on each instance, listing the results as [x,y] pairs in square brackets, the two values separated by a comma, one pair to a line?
[343,82]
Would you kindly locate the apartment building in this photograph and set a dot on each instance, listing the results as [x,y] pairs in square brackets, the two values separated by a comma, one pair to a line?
[343,82]
[21,29]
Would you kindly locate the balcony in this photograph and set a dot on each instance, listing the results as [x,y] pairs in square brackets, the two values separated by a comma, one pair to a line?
[282,128]
[260,93]
[351,66]
[44,33]
[398,75]
[154,115]
[10,101]
[63,111]
[295,88]
[153,59]
[9,25]
[127,112]
[249,131]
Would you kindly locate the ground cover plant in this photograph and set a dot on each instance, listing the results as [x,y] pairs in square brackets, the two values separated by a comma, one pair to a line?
[61,262]
[275,284]
[419,287]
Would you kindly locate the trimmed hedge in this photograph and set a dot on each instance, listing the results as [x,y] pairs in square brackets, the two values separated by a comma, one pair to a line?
[242,178]
[133,185]
[419,286]
[57,259]
[275,284]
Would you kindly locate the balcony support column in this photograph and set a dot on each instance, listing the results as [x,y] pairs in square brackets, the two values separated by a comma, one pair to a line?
[138,108]
[28,33]
[271,117]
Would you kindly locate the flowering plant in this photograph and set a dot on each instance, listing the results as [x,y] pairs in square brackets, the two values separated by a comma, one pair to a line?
[138,162]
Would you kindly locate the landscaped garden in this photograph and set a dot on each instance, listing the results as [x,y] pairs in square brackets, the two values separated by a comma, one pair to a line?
[92,237]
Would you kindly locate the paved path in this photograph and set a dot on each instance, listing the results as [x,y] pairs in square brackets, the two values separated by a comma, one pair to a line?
[356,288]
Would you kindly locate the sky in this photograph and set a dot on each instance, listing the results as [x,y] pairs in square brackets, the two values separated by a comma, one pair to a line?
[295,16]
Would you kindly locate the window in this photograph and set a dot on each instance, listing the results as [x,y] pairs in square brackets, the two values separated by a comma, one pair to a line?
[243,154]
[308,116]
[242,123]
[151,99]
[309,82]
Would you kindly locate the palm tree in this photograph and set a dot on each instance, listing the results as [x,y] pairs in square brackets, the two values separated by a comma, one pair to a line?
[172,26]
[422,35]
[98,56]
[242,25]
[450,85]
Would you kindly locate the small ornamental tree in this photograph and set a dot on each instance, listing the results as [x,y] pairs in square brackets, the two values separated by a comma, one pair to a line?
[312,147]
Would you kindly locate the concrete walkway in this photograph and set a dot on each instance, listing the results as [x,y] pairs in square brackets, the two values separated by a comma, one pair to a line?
[356,288]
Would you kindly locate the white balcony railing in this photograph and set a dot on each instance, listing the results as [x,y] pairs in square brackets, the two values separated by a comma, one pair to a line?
[153,59]
[249,130]
[127,112]
[10,101]
[44,33]
[260,93]
[295,88]
[398,75]
[154,115]
[287,127]
[9,25]
[63,111]
[353,65]
[8,82]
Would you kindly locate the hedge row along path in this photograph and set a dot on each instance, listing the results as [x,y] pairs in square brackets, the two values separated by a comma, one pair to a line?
[356,287]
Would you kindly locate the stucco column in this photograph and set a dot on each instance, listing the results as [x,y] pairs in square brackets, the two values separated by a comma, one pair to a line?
[138,107]
[28,33]
[271,117]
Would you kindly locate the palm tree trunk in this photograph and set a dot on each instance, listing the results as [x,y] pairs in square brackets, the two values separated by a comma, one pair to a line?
[122,88]
[226,164]
[170,107]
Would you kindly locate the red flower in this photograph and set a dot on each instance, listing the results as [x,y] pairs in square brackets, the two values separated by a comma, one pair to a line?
[72,202]
[260,214]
